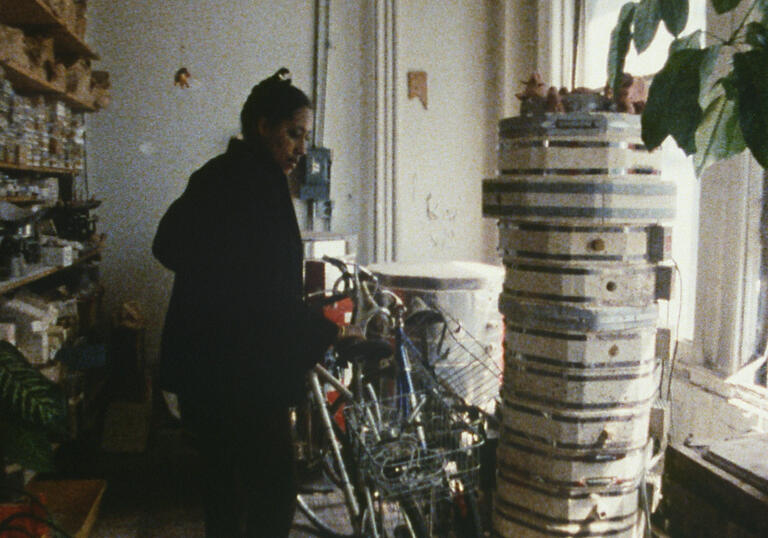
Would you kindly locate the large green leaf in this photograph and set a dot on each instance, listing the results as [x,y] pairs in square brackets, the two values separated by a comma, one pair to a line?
[28,396]
[762,5]
[646,22]
[757,35]
[673,101]
[693,40]
[674,13]
[719,134]
[621,36]
[28,447]
[750,71]
[711,55]
[724,6]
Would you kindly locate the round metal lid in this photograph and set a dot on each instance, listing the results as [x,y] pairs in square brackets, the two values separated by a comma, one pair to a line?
[448,275]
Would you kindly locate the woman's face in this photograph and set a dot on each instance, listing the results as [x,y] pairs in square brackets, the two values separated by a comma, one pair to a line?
[287,139]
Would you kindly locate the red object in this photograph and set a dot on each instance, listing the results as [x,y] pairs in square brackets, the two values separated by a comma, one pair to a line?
[331,396]
[339,312]
[32,527]
[314,276]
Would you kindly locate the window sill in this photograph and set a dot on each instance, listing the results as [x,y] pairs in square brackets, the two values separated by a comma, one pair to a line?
[711,406]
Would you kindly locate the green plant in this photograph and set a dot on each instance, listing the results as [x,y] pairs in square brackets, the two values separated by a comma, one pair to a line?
[32,409]
[710,117]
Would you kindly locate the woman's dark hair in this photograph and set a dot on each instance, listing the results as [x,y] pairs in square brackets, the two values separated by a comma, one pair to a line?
[274,99]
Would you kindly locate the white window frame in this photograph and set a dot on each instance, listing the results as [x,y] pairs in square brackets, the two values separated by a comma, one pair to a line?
[729,240]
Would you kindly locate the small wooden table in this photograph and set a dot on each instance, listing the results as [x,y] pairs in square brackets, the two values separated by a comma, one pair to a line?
[702,499]
[74,504]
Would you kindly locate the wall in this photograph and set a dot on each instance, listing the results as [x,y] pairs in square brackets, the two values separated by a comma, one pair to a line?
[447,148]
[142,149]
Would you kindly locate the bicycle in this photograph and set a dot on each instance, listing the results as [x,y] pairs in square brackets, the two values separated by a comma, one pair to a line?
[404,452]
[440,430]
[347,378]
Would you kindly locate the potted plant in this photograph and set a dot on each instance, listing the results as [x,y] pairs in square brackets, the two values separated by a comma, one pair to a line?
[709,116]
[33,411]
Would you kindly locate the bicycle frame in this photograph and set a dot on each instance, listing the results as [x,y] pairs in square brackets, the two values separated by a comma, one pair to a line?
[370,303]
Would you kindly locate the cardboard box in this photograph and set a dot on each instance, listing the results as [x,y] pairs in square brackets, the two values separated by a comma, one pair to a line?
[56,256]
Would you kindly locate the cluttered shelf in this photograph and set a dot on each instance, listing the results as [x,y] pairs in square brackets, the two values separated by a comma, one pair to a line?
[36,14]
[39,271]
[23,81]
[48,170]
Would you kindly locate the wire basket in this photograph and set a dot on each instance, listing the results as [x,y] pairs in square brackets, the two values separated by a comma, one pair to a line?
[470,369]
[423,453]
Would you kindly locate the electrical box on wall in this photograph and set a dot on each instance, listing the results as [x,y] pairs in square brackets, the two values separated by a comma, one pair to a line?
[315,175]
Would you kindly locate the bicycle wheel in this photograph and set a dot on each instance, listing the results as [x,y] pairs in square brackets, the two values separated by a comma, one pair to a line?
[400,519]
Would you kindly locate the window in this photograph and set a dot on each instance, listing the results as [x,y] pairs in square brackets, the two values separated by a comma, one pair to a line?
[597,19]
[722,288]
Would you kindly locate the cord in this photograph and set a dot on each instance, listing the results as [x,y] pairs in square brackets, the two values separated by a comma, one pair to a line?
[677,332]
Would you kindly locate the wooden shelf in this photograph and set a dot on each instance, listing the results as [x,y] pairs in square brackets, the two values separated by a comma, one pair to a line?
[36,15]
[37,272]
[25,82]
[26,200]
[39,169]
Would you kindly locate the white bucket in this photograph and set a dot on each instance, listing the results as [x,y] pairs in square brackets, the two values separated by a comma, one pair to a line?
[467,294]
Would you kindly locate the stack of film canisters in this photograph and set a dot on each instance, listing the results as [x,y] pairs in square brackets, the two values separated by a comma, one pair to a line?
[581,209]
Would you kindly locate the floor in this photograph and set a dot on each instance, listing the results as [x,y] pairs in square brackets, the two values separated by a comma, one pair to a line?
[152,489]
[154,493]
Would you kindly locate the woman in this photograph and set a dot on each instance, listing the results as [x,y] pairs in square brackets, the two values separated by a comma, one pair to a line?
[238,338]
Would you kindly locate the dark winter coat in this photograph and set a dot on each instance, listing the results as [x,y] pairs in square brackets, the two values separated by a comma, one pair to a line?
[236,324]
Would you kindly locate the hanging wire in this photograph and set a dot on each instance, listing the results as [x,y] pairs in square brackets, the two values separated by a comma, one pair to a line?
[579,20]
[677,331]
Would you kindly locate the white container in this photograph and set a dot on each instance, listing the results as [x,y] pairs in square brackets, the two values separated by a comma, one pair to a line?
[467,294]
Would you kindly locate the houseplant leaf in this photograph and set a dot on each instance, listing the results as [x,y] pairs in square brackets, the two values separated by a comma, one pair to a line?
[762,5]
[674,13]
[29,447]
[28,396]
[691,41]
[750,71]
[757,35]
[673,101]
[724,6]
[646,23]
[621,36]
[719,134]
[711,54]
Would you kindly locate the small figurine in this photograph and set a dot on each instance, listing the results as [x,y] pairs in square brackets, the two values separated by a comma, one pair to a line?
[534,87]
[554,101]
[181,78]
[633,94]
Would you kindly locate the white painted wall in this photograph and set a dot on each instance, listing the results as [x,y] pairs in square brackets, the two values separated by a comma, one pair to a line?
[142,149]
[444,151]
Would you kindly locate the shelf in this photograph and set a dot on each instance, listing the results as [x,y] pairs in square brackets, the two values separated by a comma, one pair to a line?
[35,15]
[37,272]
[25,82]
[39,169]
[26,200]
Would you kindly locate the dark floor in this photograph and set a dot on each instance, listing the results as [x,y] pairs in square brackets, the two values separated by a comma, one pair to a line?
[154,493]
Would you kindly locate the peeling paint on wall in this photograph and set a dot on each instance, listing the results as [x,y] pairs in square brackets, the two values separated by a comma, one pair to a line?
[442,227]
[148,148]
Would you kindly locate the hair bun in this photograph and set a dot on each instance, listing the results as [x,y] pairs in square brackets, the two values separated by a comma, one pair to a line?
[281,76]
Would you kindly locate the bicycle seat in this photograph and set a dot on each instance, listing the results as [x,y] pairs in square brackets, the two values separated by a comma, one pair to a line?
[369,350]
